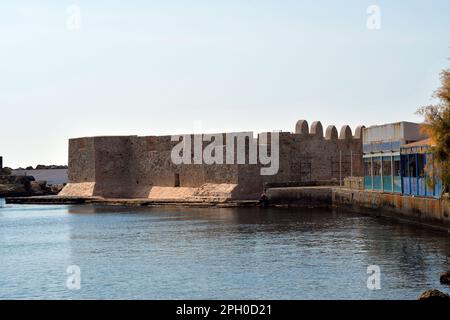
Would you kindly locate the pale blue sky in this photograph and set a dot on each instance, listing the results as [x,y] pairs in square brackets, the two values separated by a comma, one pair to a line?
[160,67]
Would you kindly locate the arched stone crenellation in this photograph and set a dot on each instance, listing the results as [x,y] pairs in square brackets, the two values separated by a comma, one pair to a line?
[331,133]
[345,133]
[317,129]
[359,132]
[301,127]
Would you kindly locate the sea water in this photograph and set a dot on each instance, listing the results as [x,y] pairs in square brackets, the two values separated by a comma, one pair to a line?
[105,252]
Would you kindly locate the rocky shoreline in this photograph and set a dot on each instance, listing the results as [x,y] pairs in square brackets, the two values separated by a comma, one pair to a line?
[436,295]
[25,186]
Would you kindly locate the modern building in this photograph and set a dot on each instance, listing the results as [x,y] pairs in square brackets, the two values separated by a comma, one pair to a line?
[381,154]
[417,164]
[395,157]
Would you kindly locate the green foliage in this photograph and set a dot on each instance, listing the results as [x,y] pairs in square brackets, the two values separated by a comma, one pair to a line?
[437,126]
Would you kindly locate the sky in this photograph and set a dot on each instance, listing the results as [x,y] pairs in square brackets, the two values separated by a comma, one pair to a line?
[83,68]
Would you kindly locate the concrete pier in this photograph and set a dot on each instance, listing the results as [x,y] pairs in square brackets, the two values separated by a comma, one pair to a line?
[425,211]
[301,196]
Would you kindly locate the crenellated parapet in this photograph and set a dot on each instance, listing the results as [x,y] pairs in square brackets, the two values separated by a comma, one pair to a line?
[331,132]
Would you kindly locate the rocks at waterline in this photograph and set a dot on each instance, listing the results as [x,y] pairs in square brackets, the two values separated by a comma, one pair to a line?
[12,190]
[5,171]
[41,188]
[445,277]
[11,186]
[38,188]
[21,186]
[56,188]
[434,295]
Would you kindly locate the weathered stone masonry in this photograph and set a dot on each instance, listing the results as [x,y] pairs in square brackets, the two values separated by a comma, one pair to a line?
[141,167]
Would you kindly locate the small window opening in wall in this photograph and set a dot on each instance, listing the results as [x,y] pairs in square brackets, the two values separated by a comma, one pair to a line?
[177,180]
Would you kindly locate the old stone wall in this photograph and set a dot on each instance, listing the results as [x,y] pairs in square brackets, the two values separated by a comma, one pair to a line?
[112,166]
[81,160]
[130,166]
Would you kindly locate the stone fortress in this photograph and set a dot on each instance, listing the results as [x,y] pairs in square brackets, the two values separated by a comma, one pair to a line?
[141,167]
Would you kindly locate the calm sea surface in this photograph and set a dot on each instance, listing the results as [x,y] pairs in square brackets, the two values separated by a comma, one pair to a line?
[248,253]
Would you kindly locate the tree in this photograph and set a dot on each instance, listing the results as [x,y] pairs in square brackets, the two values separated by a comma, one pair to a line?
[437,127]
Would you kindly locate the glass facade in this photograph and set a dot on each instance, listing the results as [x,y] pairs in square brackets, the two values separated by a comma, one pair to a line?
[383,173]
[387,174]
[405,174]
[397,174]
[417,171]
[394,161]
[376,173]
[421,177]
[367,173]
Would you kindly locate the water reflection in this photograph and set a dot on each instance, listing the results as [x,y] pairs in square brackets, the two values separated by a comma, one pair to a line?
[411,250]
[213,253]
[252,253]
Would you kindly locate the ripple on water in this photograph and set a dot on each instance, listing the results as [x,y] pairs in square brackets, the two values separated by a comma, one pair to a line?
[229,253]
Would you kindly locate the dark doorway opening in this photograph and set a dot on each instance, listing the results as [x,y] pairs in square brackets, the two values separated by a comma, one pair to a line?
[177,180]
